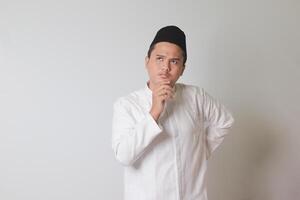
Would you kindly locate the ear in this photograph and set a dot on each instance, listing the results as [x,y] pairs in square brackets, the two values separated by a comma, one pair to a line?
[183,68]
[146,61]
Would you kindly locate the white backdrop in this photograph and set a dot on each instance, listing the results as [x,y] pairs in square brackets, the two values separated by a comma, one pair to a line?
[63,63]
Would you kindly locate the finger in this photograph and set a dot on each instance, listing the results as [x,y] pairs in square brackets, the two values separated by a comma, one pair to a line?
[164,81]
[162,93]
[165,86]
[166,93]
[161,90]
[166,89]
[167,97]
[170,95]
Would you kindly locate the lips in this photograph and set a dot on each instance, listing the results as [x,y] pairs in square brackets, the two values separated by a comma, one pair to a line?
[163,76]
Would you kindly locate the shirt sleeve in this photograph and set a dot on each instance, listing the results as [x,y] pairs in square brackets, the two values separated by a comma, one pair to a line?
[131,138]
[217,120]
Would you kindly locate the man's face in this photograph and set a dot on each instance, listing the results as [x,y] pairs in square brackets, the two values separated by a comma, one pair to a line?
[165,63]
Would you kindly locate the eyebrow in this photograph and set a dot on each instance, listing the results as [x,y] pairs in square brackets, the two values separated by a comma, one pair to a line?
[176,58]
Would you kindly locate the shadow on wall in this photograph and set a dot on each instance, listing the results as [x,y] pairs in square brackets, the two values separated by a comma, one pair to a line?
[245,165]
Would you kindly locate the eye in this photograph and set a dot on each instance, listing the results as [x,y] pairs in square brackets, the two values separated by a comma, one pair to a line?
[160,59]
[174,62]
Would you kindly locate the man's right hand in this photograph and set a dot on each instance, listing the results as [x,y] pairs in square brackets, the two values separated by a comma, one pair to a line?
[161,92]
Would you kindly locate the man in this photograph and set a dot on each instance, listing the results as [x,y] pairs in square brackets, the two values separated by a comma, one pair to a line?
[164,133]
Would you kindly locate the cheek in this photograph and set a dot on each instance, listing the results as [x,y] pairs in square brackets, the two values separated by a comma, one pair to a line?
[152,72]
[153,68]
[176,73]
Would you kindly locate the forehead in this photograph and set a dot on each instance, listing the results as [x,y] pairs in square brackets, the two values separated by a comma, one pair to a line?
[167,49]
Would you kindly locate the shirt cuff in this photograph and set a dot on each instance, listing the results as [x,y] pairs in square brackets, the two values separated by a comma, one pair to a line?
[157,127]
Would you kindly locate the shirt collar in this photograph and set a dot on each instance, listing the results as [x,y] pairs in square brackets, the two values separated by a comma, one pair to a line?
[147,89]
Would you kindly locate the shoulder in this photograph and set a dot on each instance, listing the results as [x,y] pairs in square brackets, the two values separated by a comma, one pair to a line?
[130,100]
[190,90]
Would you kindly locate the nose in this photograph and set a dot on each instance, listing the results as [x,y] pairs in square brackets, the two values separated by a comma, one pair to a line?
[165,67]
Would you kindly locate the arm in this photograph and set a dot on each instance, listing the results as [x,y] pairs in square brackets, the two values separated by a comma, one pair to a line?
[130,139]
[217,119]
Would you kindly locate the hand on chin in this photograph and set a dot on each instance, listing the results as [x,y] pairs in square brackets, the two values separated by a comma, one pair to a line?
[164,78]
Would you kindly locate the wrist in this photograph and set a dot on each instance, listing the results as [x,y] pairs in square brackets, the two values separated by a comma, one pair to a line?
[154,114]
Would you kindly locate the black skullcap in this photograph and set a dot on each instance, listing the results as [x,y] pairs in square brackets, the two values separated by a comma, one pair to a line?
[171,34]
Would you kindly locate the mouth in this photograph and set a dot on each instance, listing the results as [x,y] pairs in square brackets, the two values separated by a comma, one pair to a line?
[163,76]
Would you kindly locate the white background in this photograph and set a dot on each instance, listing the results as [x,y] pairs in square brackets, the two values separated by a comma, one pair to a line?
[63,63]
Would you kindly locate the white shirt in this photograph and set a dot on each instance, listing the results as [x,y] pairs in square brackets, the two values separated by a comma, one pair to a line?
[167,160]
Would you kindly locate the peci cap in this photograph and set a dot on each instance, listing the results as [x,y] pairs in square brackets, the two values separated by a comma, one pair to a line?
[171,34]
